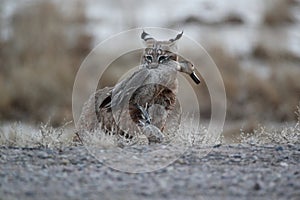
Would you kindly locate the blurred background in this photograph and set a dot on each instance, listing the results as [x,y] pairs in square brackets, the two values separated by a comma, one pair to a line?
[255,44]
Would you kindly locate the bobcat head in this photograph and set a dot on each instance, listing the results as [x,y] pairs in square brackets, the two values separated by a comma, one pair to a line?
[162,52]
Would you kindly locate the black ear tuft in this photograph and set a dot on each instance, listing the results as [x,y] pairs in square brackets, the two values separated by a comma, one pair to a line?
[177,37]
[145,36]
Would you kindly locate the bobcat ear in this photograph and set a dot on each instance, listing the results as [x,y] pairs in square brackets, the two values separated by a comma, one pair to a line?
[172,42]
[147,38]
[176,38]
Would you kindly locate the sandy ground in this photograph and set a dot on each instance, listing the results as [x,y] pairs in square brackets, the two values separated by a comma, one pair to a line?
[227,172]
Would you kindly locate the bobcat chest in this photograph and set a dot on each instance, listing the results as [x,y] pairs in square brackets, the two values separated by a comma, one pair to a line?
[159,90]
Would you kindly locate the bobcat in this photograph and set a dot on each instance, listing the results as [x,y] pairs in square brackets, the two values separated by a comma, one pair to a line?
[141,103]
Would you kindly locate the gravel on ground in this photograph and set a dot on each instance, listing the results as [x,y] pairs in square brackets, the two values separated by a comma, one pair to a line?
[237,171]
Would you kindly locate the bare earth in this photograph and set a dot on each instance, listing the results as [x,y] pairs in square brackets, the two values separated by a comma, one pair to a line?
[227,172]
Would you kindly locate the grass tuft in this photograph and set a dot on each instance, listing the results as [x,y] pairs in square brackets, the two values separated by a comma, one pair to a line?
[288,134]
[278,12]
[21,135]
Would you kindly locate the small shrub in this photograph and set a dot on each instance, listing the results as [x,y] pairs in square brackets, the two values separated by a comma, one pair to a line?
[22,135]
[278,12]
[39,63]
[289,134]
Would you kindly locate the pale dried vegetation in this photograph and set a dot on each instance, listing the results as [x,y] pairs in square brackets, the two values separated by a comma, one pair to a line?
[288,134]
[252,97]
[278,12]
[40,60]
[44,136]
[188,134]
[39,63]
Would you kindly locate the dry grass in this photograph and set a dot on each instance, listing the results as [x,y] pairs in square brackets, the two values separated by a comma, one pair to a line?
[289,134]
[38,64]
[262,52]
[278,13]
[252,97]
[189,134]
[44,136]
[231,18]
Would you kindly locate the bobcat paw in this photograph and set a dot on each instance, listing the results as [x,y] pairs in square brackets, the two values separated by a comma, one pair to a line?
[142,140]
[153,134]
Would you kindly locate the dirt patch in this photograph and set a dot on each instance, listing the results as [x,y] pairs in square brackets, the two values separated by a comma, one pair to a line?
[227,172]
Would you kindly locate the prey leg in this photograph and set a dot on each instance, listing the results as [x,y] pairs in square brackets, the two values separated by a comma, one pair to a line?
[150,131]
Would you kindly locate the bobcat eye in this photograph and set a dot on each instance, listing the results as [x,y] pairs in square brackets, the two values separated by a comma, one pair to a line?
[162,58]
[149,58]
